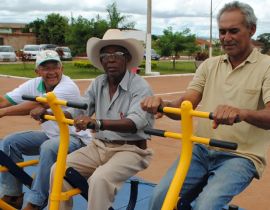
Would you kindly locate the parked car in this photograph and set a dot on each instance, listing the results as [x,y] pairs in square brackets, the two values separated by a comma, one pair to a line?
[47,47]
[30,51]
[7,53]
[64,53]
[154,55]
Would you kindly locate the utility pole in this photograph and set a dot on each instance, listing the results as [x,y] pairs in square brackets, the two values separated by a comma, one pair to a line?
[210,46]
[149,40]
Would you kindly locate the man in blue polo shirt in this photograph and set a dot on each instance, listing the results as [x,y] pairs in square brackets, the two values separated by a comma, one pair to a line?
[50,71]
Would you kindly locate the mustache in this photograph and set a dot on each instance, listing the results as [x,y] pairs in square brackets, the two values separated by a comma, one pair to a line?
[229,43]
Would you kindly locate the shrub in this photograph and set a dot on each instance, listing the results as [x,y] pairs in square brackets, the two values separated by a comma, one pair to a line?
[153,64]
[201,56]
[83,64]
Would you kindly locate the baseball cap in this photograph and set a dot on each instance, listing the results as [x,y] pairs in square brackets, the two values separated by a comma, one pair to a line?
[47,55]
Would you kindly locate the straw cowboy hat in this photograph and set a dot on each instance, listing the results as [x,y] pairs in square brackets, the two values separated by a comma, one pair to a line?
[115,37]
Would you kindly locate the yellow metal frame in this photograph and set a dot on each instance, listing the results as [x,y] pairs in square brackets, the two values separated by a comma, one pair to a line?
[56,195]
[186,112]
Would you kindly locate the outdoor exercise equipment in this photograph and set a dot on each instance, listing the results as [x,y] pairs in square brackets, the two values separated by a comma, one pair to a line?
[16,169]
[187,113]
[71,175]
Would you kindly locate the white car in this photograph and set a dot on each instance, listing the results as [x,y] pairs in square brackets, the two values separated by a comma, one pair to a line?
[7,53]
[64,53]
[30,51]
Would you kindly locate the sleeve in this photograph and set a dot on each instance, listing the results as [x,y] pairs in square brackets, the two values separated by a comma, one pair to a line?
[199,79]
[141,118]
[266,87]
[15,96]
[89,99]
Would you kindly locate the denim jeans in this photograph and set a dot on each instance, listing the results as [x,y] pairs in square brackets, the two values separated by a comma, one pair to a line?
[32,143]
[228,175]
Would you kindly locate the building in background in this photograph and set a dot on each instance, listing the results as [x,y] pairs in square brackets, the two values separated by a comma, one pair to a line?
[12,34]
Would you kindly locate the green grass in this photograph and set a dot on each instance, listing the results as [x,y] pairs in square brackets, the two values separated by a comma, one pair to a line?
[27,69]
[166,67]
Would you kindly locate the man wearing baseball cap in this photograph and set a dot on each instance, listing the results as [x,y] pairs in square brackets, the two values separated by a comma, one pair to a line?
[119,149]
[43,143]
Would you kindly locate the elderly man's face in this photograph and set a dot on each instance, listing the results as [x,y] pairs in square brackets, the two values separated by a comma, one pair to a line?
[51,73]
[234,35]
[114,61]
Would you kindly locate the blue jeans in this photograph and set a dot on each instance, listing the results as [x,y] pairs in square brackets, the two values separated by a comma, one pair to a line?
[32,143]
[228,175]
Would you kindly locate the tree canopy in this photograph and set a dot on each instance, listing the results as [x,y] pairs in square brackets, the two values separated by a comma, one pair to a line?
[172,43]
[265,39]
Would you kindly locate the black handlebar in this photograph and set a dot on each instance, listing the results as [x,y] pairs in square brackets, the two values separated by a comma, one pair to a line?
[91,125]
[69,103]
[77,105]
[155,132]
[212,142]
[29,98]
[223,144]
[160,109]
[211,117]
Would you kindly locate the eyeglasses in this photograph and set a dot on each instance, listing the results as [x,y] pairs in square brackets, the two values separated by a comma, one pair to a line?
[106,56]
[50,68]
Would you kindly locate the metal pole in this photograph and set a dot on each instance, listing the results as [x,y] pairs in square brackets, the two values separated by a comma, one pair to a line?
[210,46]
[148,38]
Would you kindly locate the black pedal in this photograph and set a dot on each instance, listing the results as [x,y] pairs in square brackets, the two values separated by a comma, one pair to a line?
[15,170]
[76,180]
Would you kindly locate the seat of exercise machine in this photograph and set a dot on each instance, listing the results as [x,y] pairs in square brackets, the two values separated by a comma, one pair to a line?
[76,180]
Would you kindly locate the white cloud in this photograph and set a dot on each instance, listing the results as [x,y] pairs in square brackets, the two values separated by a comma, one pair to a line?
[179,14]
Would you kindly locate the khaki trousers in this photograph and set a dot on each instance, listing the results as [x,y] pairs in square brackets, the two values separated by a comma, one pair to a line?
[106,166]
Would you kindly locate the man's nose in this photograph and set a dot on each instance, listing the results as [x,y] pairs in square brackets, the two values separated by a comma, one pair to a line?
[227,36]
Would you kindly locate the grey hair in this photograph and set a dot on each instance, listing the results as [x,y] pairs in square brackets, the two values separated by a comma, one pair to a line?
[247,11]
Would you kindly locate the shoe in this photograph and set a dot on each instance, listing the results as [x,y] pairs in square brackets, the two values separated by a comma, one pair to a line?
[30,206]
[15,201]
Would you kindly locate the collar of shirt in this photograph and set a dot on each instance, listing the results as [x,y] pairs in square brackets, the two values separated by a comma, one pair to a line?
[252,58]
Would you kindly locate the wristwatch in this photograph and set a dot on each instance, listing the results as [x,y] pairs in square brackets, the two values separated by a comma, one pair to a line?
[98,125]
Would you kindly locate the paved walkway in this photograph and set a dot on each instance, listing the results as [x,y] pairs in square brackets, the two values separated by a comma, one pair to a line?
[255,197]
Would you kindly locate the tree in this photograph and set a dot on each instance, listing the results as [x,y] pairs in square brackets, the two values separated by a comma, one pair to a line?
[171,43]
[35,27]
[54,29]
[78,33]
[265,39]
[100,27]
[116,20]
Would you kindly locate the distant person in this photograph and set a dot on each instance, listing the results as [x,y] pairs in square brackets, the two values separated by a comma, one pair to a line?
[236,86]
[45,142]
[119,149]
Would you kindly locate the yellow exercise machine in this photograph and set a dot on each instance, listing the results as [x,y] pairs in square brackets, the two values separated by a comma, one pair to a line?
[187,113]
[55,104]
[57,195]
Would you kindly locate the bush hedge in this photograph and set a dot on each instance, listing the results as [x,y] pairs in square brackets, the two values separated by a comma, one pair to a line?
[153,64]
[83,64]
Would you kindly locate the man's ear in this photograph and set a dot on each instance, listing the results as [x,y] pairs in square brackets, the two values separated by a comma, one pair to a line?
[37,71]
[252,30]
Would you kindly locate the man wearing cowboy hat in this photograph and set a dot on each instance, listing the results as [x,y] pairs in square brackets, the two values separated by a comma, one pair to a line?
[119,149]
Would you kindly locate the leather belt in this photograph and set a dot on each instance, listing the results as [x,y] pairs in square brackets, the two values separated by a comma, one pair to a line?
[142,144]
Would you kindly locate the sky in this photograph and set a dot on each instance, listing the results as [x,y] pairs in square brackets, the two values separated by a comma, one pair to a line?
[179,14]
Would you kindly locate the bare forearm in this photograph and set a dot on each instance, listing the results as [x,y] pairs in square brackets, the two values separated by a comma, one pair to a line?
[260,118]
[4,102]
[123,125]
[18,110]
